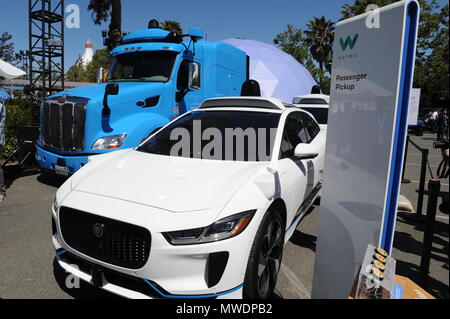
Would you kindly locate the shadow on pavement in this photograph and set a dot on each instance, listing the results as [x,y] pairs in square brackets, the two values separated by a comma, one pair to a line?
[12,172]
[440,228]
[406,243]
[51,180]
[85,291]
[304,240]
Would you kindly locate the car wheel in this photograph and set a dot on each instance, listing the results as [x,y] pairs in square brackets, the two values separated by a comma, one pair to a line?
[265,258]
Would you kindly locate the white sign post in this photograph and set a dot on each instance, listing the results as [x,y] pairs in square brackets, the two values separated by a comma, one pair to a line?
[370,89]
[414,103]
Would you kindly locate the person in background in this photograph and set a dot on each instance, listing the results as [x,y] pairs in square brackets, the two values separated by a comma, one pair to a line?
[2,143]
[433,119]
[440,124]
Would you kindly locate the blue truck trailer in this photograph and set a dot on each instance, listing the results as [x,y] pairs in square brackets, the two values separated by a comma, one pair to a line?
[154,77]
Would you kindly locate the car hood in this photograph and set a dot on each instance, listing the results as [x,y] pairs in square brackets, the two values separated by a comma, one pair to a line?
[171,183]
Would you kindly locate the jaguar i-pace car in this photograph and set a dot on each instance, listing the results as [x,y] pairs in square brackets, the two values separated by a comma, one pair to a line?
[200,209]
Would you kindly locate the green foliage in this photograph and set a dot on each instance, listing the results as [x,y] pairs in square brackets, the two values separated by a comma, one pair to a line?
[6,47]
[294,42]
[80,73]
[432,70]
[18,112]
[319,39]
[359,7]
[102,10]
[173,26]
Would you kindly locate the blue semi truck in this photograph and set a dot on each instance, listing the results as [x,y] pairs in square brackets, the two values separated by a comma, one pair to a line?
[155,76]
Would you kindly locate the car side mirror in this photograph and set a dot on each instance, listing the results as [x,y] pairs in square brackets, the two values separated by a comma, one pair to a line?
[306,151]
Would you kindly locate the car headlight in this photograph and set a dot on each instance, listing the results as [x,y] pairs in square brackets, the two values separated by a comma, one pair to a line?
[225,228]
[109,142]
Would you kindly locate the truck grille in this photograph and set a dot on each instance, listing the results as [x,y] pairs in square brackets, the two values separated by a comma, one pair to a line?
[118,243]
[63,124]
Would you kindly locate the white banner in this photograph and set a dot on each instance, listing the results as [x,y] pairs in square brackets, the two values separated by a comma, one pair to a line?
[414,103]
[372,70]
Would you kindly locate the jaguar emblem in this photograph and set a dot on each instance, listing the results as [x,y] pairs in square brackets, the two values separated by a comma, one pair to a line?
[98,230]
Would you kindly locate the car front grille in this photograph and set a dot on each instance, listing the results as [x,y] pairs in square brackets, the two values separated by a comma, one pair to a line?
[63,124]
[108,240]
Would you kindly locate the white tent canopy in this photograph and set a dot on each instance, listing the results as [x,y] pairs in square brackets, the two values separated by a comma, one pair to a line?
[9,71]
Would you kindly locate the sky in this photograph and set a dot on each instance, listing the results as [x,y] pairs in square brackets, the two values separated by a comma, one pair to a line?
[258,20]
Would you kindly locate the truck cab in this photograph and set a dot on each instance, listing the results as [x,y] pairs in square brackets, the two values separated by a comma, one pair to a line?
[154,77]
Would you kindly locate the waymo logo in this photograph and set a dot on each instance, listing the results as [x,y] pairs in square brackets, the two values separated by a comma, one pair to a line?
[348,42]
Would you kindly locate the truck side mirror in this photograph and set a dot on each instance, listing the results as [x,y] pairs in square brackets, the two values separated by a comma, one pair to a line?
[112,89]
[194,76]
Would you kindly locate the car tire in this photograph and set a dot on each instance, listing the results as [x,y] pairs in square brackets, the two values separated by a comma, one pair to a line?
[265,258]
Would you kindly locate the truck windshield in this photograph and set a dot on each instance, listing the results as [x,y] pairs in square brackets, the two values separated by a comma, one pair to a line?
[217,135]
[153,66]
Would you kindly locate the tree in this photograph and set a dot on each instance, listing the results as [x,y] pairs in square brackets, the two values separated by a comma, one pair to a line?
[292,41]
[101,59]
[6,47]
[76,72]
[88,73]
[359,7]
[102,10]
[319,39]
[173,26]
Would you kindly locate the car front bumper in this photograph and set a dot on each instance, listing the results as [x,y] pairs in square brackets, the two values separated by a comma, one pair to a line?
[170,271]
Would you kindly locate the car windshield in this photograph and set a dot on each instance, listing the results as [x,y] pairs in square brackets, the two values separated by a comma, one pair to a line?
[319,113]
[217,135]
[152,66]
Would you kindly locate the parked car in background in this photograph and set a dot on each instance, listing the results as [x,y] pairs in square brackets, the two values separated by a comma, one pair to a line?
[316,104]
[151,222]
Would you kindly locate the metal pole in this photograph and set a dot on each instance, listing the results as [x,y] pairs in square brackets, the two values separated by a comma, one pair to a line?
[423,172]
[434,186]
[404,180]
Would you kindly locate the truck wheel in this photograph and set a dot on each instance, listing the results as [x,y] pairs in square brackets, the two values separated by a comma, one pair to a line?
[265,258]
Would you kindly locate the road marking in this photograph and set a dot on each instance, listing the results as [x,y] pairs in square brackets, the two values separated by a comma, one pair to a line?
[298,286]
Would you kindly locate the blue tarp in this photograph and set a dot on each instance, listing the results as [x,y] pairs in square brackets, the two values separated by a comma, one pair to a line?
[4,95]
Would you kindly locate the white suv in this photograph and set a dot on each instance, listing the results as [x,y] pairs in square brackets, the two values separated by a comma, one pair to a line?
[177,219]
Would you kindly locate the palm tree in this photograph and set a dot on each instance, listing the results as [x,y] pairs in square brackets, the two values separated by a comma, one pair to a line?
[102,10]
[172,26]
[319,39]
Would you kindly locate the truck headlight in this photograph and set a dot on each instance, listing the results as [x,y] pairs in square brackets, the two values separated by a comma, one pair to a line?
[223,229]
[109,142]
